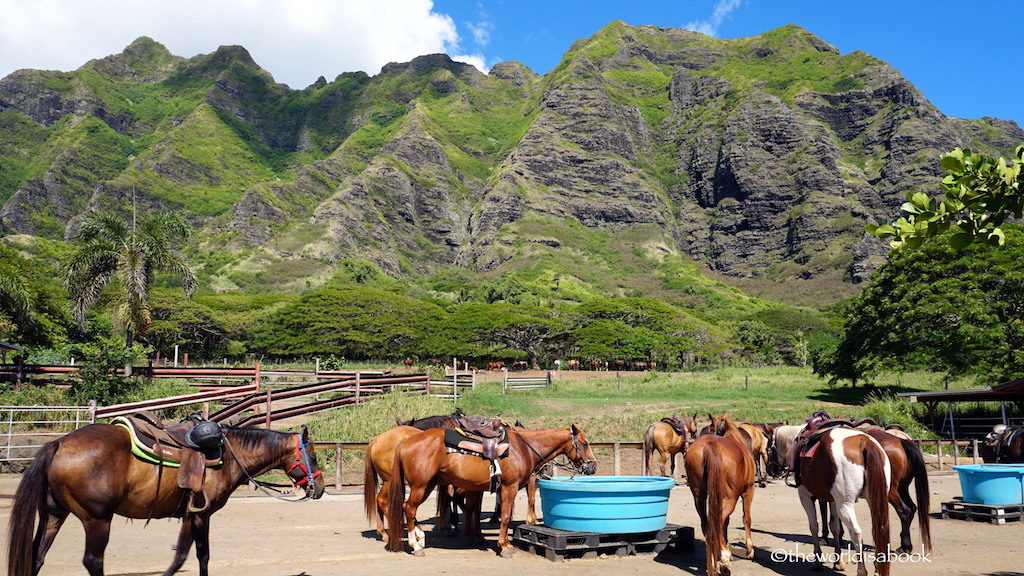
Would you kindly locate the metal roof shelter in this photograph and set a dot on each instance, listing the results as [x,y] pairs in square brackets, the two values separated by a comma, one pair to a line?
[6,347]
[1007,391]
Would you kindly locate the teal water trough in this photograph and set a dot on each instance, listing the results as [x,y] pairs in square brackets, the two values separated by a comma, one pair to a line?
[992,484]
[606,504]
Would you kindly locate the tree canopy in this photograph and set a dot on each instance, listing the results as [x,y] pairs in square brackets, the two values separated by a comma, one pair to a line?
[352,321]
[960,312]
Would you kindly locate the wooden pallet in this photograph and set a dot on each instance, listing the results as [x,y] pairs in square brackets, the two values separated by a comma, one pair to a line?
[557,545]
[982,512]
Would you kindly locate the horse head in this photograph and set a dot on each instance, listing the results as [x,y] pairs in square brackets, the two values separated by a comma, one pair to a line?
[719,424]
[579,453]
[304,470]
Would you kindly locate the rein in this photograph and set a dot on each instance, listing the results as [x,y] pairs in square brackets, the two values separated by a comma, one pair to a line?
[272,489]
[544,461]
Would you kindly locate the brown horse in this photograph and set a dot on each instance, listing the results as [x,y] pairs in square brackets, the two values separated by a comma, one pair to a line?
[845,465]
[422,462]
[907,463]
[758,450]
[720,471]
[380,453]
[662,436]
[92,474]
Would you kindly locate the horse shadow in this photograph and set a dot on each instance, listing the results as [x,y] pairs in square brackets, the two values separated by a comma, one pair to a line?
[693,562]
[857,396]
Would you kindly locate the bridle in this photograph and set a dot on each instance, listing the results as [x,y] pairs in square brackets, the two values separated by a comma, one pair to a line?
[301,461]
[546,460]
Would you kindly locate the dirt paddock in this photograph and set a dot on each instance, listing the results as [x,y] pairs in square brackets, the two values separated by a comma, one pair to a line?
[257,535]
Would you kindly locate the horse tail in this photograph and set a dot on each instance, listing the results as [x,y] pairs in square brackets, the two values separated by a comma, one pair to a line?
[920,471]
[369,487]
[648,447]
[29,503]
[396,502]
[714,488]
[875,461]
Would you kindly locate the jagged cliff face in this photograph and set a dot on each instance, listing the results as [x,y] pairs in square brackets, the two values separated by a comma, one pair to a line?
[761,156]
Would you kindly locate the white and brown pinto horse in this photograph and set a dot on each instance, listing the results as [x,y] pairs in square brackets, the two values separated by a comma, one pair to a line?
[845,466]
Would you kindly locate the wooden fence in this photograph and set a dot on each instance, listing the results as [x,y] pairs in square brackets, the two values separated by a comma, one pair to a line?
[524,382]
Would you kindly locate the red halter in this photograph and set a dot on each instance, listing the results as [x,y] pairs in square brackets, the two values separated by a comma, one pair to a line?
[302,462]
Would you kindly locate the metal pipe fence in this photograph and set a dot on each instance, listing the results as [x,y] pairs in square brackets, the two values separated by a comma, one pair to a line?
[27,428]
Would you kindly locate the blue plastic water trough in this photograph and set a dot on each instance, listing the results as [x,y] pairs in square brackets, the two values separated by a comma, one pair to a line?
[992,484]
[605,504]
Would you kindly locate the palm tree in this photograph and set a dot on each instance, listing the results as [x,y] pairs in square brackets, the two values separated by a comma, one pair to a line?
[16,300]
[109,247]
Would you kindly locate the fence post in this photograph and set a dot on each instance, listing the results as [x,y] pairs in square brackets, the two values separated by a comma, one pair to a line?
[267,416]
[974,450]
[956,453]
[10,433]
[615,458]
[643,461]
[357,388]
[549,385]
[504,380]
[428,381]
[938,452]
[92,411]
[338,469]
[256,376]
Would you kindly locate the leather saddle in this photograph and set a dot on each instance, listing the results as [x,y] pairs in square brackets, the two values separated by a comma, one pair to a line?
[807,442]
[178,445]
[677,424]
[484,437]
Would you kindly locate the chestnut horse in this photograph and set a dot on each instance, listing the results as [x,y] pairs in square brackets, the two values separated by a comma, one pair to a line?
[423,462]
[844,465]
[907,463]
[661,436]
[92,474]
[380,454]
[720,471]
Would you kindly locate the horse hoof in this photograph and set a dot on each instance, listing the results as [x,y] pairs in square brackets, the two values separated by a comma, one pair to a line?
[507,553]
[762,485]
[902,550]
[839,567]
[384,538]
[419,553]
[724,570]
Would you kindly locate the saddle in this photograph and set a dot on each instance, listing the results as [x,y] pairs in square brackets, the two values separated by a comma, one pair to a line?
[191,446]
[478,436]
[676,423]
[806,444]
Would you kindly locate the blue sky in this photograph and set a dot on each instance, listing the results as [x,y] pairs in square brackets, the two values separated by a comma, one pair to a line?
[964,56]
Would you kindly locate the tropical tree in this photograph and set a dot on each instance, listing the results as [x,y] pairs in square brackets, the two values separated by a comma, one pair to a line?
[132,253]
[979,193]
[352,321]
[960,312]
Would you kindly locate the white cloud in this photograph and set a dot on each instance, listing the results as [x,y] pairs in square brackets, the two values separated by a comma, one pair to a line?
[295,40]
[478,60]
[710,26]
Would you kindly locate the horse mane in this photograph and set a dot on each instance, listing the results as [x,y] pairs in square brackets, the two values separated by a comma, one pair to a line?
[249,438]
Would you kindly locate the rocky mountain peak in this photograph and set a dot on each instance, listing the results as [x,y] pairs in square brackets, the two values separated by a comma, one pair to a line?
[144,60]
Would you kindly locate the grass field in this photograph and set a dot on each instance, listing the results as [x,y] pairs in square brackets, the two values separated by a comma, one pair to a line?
[611,408]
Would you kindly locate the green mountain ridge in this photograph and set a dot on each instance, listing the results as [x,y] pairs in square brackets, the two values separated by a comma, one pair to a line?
[648,155]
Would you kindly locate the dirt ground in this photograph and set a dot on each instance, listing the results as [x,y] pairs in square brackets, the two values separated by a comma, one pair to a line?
[257,535]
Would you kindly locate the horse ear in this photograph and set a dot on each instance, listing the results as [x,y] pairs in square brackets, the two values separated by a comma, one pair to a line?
[575,430]
[305,433]
[711,417]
